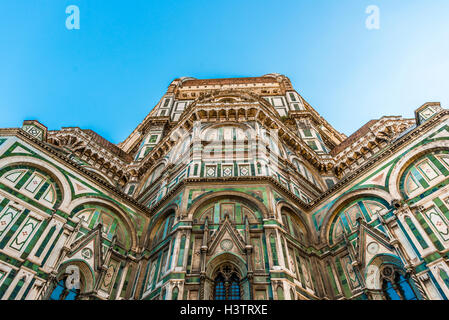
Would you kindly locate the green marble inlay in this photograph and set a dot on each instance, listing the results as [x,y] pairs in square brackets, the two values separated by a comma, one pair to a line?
[331,276]
[416,233]
[45,242]
[429,231]
[343,279]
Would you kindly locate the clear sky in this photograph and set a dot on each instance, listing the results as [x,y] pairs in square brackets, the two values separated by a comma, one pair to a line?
[110,73]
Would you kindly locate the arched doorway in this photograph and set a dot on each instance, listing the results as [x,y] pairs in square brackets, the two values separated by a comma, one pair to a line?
[227,283]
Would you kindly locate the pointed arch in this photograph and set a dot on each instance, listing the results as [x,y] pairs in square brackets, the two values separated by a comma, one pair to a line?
[214,263]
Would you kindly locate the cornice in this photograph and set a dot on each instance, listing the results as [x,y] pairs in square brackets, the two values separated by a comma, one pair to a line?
[195,181]
[19,133]
[401,142]
[90,142]
[388,151]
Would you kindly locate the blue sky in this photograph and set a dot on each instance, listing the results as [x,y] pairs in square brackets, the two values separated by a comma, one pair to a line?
[109,74]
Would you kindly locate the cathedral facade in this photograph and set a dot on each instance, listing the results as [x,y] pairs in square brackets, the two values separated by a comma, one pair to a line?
[230,189]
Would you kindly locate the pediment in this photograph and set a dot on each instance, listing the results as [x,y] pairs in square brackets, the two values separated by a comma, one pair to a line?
[226,239]
[371,242]
[88,248]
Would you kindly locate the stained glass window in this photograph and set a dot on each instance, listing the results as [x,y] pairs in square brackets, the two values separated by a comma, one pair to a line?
[220,291]
[390,293]
[227,284]
[396,286]
[234,290]
[62,293]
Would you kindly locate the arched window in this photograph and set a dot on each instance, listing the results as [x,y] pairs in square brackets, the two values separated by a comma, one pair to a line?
[227,283]
[274,250]
[330,183]
[292,294]
[234,289]
[220,290]
[175,293]
[259,168]
[280,293]
[181,251]
[305,172]
[396,285]
[153,176]
[240,138]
